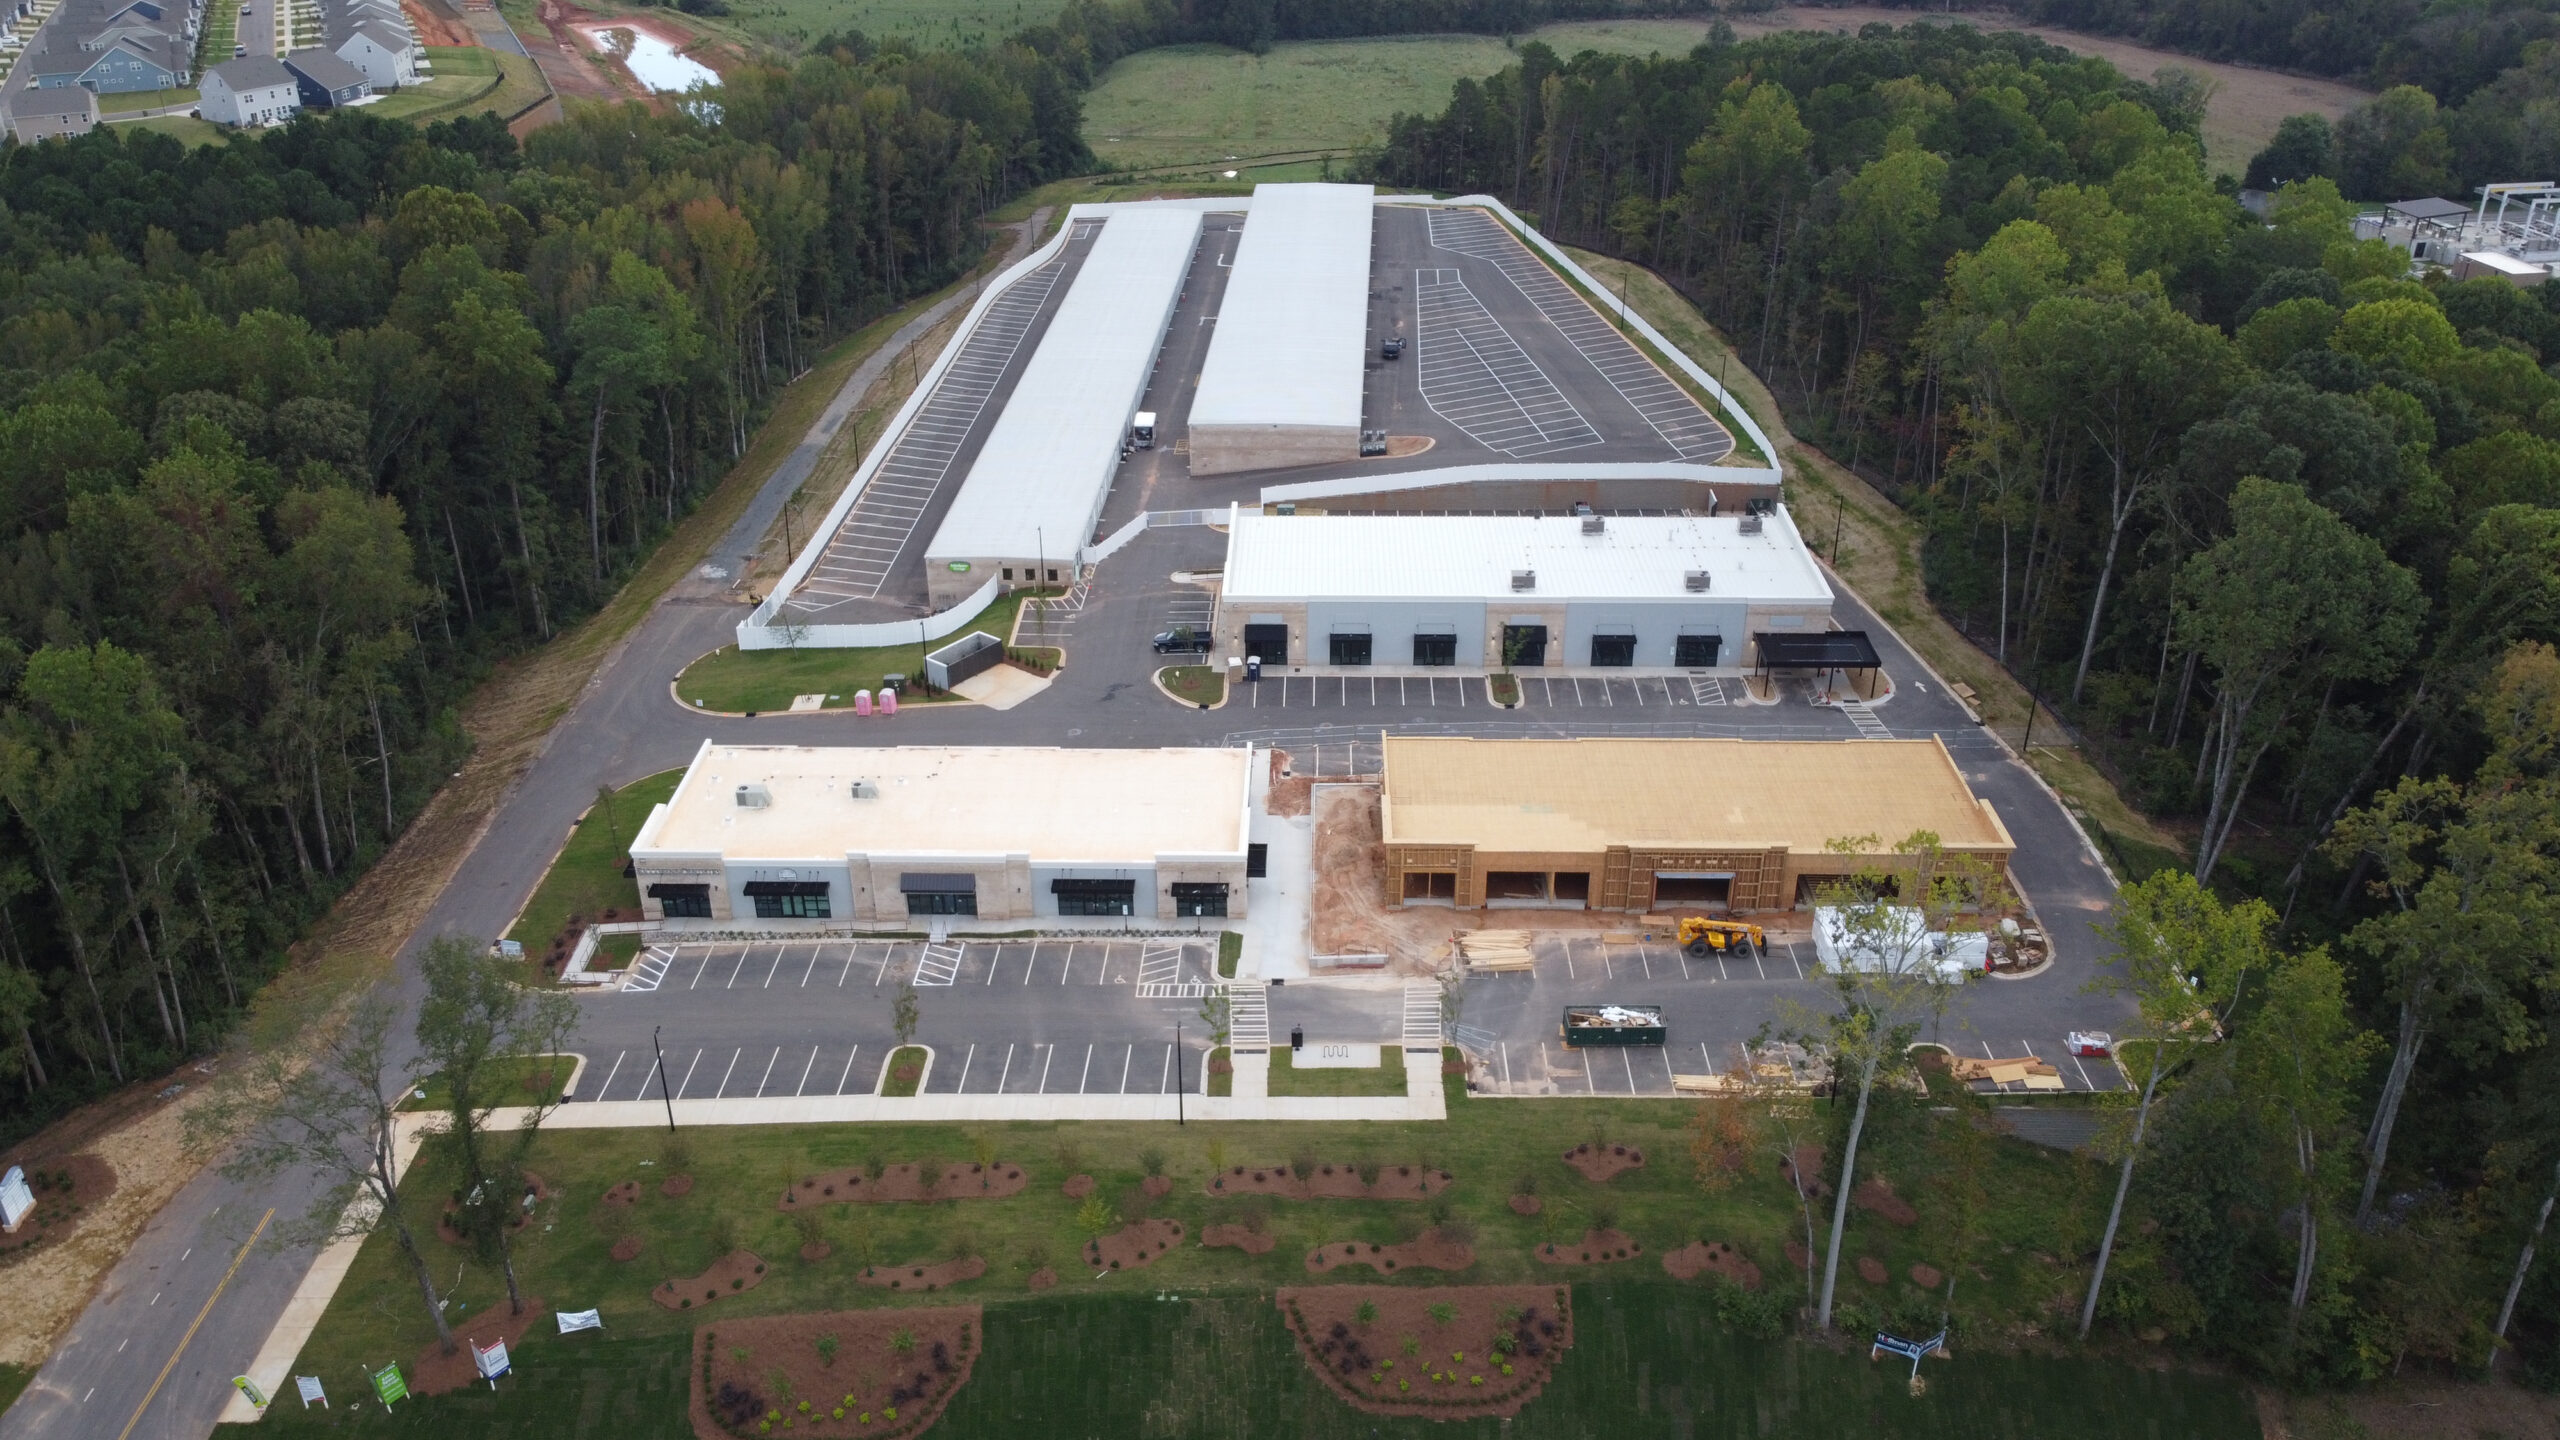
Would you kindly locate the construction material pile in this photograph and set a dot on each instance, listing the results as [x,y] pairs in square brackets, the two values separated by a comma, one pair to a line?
[2024,1070]
[1494,951]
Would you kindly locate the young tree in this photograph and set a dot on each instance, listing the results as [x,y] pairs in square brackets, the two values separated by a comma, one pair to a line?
[331,1109]
[475,1028]
[2298,1053]
[1892,976]
[903,1013]
[2184,956]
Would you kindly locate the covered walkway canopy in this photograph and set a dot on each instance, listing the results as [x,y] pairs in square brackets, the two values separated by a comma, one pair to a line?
[1816,650]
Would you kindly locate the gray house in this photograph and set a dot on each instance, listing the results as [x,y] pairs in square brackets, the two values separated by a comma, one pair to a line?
[47,114]
[325,81]
[256,90]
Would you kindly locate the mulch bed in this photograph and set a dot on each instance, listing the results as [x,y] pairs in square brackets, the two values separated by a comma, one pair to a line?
[1711,1257]
[436,1372]
[738,1270]
[1157,1186]
[1527,1204]
[1797,1256]
[1871,1270]
[1601,1164]
[444,1222]
[918,1275]
[1597,1247]
[1133,1247]
[627,1248]
[1239,1237]
[1927,1277]
[1077,1187]
[849,1391]
[816,1250]
[1877,1197]
[626,1193]
[1434,1251]
[676,1185]
[66,1188]
[1455,1370]
[1808,1159]
[1043,1278]
[1331,1182]
[906,1182]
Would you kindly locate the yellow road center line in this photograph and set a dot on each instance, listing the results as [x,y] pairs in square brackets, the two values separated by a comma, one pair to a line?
[189,1338]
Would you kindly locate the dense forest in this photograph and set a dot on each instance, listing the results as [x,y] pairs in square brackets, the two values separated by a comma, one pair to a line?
[2274,525]
[299,433]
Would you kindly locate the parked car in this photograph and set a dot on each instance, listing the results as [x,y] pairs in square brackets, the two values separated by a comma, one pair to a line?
[1392,348]
[1182,642]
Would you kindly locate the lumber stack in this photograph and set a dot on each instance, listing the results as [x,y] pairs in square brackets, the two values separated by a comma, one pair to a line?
[2023,1069]
[1494,951]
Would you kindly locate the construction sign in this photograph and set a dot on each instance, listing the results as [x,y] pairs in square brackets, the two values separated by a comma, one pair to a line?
[388,1384]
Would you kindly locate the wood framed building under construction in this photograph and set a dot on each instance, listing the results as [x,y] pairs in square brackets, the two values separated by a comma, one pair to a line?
[1662,826]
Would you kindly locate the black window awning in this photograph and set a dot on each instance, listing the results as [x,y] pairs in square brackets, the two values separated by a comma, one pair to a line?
[937,882]
[691,892]
[785,887]
[1096,889]
[1827,650]
[1199,890]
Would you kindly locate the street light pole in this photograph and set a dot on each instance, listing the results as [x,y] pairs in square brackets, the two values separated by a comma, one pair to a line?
[662,1079]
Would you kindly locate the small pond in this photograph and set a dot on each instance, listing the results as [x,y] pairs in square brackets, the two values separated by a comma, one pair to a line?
[656,64]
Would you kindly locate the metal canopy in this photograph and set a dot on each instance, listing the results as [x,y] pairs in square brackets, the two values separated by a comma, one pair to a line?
[1830,650]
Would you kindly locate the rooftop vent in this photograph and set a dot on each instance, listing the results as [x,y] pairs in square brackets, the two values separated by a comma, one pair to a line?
[1750,524]
[1594,525]
[1524,579]
[865,790]
[754,797]
[1695,581]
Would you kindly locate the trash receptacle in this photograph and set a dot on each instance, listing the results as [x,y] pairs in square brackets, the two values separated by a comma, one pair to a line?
[1297,1037]
[1253,667]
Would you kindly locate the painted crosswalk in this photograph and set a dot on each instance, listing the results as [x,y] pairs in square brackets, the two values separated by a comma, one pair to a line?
[1422,1017]
[939,964]
[1865,719]
[1248,1018]
[649,970]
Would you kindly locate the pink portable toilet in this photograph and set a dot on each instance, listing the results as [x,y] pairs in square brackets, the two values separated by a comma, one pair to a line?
[861,702]
[888,701]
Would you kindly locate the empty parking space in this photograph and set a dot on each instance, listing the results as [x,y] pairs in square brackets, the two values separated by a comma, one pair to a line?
[1474,375]
[1675,415]
[704,972]
[1351,691]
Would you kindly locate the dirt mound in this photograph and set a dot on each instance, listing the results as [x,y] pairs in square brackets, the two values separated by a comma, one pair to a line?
[1808,1160]
[627,1249]
[1927,1277]
[1157,1186]
[1491,1354]
[436,1372]
[906,1182]
[1711,1257]
[1871,1270]
[816,1250]
[738,1270]
[918,1275]
[1331,1182]
[676,1185]
[1598,1247]
[1601,1164]
[1876,1196]
[1043,1278]
[1134,1246]
[1527,1204]
[858,1372]
[1240,1237]
[626,1193]
[523,1216]
[1433,1251]
[1798,1256]
[1289,793]
[1077,1187]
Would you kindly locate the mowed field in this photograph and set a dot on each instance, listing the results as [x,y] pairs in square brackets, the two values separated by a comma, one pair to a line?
[1204,105]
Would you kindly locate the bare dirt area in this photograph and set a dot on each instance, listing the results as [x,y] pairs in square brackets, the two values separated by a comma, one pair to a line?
[2238,123]
[1448,1351]
[1239,1237]
[1330,1182]
[847,1372]
[1597,1247]
[626,1193]
[1434,1250]
[1133,1247]
[68,1190]
[1601,1164]
[1711,1257]
[1077,1187]
[676,1187]
[918,1275]
[897,1184]
[1044,1278]
[1289,791]
[731,1273]
[627,1249]
[437,1372]
[436,23]
[573,67]
[1877,1198]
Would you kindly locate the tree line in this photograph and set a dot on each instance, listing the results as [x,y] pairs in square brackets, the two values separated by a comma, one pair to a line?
[299,434]
[2274,525]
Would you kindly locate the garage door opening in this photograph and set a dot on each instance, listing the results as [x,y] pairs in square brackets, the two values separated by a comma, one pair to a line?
[1613,650]
[1425,887]
[1515,887]
[1094,897]
[1573,887]
[1695,890]
[1812,890]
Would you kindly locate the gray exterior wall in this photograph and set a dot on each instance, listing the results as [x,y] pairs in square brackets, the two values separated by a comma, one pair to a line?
[1657,625]
[1392,624]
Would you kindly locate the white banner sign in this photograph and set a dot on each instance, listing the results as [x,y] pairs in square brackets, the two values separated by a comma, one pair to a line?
[15,1198]
[309,1385]
[579,1320]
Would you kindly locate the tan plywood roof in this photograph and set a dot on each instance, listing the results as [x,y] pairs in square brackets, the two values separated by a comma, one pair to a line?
[1586,795]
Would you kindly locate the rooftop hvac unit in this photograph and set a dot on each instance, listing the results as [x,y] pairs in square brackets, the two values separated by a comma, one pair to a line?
[1524,579]
[754,797]
[865,790]
[1695,581]
[1750,524]
[1594,525]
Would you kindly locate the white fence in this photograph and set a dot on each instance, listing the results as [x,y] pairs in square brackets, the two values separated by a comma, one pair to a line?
[756,632]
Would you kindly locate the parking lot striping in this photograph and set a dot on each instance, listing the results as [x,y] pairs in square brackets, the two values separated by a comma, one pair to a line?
[2084,1071]
[803,1087]
[725,1074]
[1125,1062]
[1630,1057]
[1791,957]
[1088,1068]
[1164,1086]
[1044,1066]
[1007,1072]
[1676,416]
[965,1061]
[688,1074]
[733,971]
[699,970]
[1067,970]
[882,973]
[814,952]
[847,1077]
[1034,965]
[777,967]
[768,1071]
[608,1076]
[849,952]
[1475,375]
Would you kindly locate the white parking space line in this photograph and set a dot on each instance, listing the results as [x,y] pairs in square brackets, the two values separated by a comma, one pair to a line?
[735,969]
[1087,1073]
[725,1074]
[965,1062]
[1630,1057]
[1044,1067]
[768,1072]
[776,970]
[700,969]
[803,1087]
[847,1077]
[1792,960]
[1034,965]
[1070,965]
[617,1069]
[1007,1072]
[883,972]
[1473,374]
[813,966]
[688,1074]
[1164,1085]
[1125,1062]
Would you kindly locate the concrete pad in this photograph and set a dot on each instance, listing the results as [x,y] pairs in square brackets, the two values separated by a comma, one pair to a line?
[801,703]
[1001,688]
[1276,906]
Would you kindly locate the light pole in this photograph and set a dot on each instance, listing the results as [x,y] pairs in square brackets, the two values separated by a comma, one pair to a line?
[662,1079]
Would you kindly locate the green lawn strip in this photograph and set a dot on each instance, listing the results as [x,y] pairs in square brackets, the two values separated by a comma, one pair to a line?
[13,1383]
[613,952]
[586,878]
[580,1385]
[1230,950]
[1505,689]
[521,1081]
[1382,1079]
[186,129]
[462,60]
[1221,1082]
[732,679]
[451,89]
[906,1071]
[132,100]
[1197,684]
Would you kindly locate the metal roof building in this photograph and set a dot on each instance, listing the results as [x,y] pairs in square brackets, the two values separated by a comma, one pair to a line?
[1282,384]
[1040,479]
[1648,592]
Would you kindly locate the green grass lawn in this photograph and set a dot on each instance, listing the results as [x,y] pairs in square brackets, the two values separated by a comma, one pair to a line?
[13,1383]
[586,878]
[900,1060]
[189,130]
[1230,950]
[764,680]
[1382,1079]
[522,1081]
[132,100]
[461,75]
[1221,1082]
[1197,684]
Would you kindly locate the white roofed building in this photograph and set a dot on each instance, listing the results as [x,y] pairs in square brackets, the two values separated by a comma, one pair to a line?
[1031,499]
[1282,383]
[1653,592]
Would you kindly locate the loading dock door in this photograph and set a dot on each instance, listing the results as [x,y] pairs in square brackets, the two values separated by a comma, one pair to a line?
[1711,889]
[1524,644]
[1271,642]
